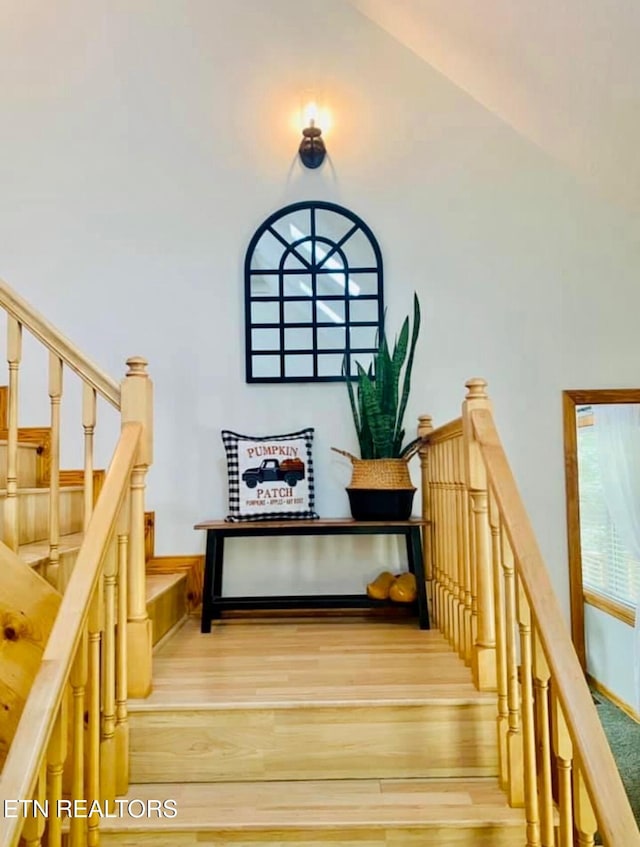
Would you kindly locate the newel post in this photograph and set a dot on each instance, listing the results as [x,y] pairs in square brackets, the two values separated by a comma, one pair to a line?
[425,426]
[137,406]
[483,661]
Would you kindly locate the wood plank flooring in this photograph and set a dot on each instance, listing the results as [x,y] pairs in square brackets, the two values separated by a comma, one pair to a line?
[373,812]
[308,698]
[333,660]
[290,731]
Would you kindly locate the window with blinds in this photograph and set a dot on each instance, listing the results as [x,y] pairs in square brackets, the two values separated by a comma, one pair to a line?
[608,568]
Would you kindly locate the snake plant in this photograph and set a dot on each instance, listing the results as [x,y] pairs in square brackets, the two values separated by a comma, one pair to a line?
[379,400]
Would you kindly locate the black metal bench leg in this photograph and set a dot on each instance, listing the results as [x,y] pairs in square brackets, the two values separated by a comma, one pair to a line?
[416,567]
[218,560]
[207,587]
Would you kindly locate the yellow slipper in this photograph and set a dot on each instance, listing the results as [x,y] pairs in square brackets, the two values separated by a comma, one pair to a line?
[379,588]
[404,589]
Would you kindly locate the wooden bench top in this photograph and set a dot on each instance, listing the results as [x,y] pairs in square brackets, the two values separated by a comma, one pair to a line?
[322,523]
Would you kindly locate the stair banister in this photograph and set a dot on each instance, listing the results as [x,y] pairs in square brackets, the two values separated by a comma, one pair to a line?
[56,343]
[518,643]
[14,355]
[55,396]
[133,398]
[51,730]
[137,407]
[425,428]
[597,766]
[484,655]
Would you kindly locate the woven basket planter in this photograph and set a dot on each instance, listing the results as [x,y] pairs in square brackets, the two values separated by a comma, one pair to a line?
[380,489]
[378,473]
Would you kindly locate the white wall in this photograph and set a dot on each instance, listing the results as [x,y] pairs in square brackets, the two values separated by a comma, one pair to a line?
[144,143]
[610,645]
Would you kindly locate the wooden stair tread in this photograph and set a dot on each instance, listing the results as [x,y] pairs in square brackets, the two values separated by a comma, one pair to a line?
[27,445]
[41,489]
[166,595]
[253,664]
[157,583]
[37,552]
[324,804]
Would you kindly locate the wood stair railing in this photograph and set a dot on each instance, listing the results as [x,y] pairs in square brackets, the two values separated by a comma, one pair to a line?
[491,595]
[75,719]
[133,398]
[99,650]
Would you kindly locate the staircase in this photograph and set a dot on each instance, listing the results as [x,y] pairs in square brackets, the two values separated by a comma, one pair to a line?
[33,496]
[347,731]
[341,730]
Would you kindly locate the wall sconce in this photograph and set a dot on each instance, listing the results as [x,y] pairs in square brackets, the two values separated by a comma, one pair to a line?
[312,150]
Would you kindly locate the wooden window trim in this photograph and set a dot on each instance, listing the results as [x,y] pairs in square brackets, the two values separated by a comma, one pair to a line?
[570,400]
[610,606]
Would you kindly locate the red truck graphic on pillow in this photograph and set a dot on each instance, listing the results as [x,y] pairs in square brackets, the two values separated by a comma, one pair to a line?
[288,471]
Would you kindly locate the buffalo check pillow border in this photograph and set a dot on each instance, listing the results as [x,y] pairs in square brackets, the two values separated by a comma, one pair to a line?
[270,477]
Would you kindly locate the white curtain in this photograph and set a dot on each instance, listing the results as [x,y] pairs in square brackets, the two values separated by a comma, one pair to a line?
[618,432]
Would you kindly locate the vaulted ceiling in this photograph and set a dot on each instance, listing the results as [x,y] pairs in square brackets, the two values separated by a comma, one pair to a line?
[563,73]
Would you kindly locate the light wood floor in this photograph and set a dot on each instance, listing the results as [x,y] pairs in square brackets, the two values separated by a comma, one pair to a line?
[303,732]
[331,660]
[323,804]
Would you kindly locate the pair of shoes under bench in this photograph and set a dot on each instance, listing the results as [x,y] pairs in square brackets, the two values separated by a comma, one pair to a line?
[400,589]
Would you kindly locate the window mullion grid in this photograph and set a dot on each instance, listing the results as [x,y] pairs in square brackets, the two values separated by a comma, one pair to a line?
[608,567]
[314,294]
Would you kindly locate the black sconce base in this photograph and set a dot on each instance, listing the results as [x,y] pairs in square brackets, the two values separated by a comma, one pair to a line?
[312,150]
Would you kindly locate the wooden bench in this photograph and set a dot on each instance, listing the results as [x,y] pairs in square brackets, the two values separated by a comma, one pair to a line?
[213,603]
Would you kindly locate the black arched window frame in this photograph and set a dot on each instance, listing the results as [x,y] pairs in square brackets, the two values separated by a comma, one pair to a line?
[314,268]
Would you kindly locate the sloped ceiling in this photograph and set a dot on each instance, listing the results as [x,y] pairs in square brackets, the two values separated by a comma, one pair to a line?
[563,73]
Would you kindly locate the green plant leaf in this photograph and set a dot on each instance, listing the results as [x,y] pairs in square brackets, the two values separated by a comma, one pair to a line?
[380,422]
[366,440]
[407,373]
[376,407]
[385,388]
[352,400]
[399,356]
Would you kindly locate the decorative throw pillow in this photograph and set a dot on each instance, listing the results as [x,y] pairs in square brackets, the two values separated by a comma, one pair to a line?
[271,477]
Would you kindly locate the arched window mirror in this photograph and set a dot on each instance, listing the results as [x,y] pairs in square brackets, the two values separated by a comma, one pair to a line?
[313,293]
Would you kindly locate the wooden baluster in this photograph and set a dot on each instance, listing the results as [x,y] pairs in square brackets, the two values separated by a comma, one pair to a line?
[501,639]
[56,755]
[541,678]
[563,748]
[122,719]
[454,583]
[11,512]
[107,732]
[89,425]
[425,426]
[528,722]
[461,547]
[137,406]
[36,818]
[515,753]
[441,541]
[435,535]
[473,575]
[93,708]
[79,674]
[585,819]
[484,654]
[446,543]
[468,579]
[55,393]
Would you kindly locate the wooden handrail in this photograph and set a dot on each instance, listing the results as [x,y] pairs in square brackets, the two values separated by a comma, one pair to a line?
[36,725]
[452,429]
[58,344]
[606,792]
